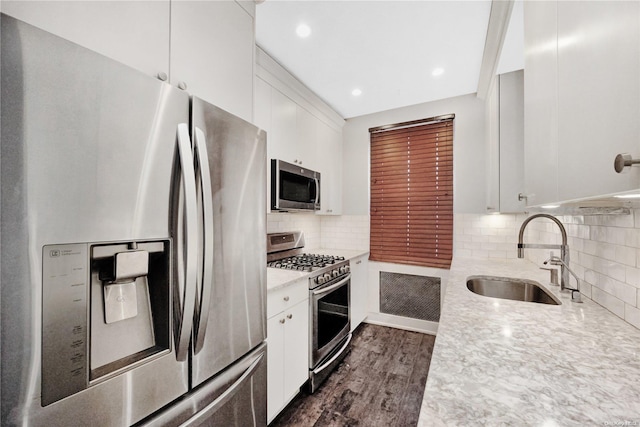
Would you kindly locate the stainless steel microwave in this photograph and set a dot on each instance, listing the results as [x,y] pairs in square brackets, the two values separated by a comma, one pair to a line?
[294,188]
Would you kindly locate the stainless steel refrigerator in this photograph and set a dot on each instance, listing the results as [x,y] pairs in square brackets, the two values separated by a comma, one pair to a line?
[133,276]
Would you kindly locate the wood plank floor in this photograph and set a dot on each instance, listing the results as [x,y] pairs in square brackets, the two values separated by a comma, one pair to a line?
[380,383]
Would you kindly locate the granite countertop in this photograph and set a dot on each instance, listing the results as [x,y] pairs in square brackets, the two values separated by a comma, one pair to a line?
[499,362]
[278,278]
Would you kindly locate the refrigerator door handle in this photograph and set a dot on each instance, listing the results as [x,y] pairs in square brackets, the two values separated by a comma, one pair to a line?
[186,247]
[212,407]
[205,281]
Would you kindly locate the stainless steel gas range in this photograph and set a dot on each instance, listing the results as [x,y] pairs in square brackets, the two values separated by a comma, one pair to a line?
[329,301]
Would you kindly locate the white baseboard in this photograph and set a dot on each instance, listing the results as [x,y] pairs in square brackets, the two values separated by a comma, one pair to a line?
[400,322]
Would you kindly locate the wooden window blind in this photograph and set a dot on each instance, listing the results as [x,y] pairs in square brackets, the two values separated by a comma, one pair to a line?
[412,193]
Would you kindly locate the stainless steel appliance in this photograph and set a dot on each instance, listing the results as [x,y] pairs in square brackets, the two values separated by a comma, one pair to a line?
[329,301]
[132,286]
[294,188]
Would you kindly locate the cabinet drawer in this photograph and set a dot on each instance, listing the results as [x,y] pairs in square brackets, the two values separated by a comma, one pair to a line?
[282,299]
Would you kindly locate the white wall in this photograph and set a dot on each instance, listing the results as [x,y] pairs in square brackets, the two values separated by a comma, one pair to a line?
[468,152]
[469,184]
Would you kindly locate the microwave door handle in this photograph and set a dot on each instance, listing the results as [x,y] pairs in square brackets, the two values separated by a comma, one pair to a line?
[317,190]
[206,277]
[332,287]
[186,247]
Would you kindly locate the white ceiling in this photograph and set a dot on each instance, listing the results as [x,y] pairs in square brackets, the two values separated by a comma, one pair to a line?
[387,49]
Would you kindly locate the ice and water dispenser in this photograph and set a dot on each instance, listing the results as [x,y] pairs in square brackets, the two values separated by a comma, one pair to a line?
[106,309]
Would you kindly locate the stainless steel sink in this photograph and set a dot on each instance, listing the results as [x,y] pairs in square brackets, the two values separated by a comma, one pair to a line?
[508,288]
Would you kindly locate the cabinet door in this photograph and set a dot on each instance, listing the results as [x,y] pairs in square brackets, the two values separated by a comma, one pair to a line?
[212,52]
[511,141]
[492,139]
[359,291]
[135,33]
[330,157]
[541,102]
[282,142]
[275,365]
[598,96]
[262,106]
[307,139]
[296,348]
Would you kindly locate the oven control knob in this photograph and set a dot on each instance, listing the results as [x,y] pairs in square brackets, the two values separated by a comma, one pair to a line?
[319,280]
[347,268]
[327,277]
[344,269]
[335,273]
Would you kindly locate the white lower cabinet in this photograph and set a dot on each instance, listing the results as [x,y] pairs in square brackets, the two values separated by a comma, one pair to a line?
[359,291]
[288,345]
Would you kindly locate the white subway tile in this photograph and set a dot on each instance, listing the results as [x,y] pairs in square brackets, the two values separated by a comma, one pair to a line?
[497,254]
[632,315]
[463,253]
[608,301]
[632,275]
[626,255]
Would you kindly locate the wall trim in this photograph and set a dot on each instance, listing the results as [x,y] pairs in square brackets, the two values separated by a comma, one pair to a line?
[404,323]
[496,33]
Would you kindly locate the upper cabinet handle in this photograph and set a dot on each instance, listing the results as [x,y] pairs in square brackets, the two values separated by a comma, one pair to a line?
[624,160]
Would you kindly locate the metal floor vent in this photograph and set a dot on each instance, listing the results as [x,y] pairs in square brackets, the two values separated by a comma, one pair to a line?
[409,295]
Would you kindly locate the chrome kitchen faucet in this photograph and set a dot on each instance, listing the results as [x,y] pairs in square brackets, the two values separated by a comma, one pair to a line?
[564,248]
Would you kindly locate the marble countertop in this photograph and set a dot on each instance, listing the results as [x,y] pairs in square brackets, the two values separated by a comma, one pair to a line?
[278,278]
[498,362]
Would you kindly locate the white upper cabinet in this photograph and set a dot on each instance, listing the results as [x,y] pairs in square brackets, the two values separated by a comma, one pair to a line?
[505,130]
[540,102]
[212,52]
[281,142]
[207,45]
[262,106]
[135,33]
[329,155]
[582,98]
[598,96]
[511,141]
[305,147]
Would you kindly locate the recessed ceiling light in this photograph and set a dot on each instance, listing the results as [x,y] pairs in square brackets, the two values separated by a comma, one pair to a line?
[303,30]
[356,92]
[437,72]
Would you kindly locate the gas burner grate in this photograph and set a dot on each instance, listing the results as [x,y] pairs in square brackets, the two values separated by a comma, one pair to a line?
[305,262]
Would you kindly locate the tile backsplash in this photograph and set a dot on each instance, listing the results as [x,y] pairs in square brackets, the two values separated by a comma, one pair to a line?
[329,232]
[604,251]
[345,232]
[486,236]
[307,222]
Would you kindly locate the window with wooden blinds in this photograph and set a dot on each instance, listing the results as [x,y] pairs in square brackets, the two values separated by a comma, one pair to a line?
[412,193]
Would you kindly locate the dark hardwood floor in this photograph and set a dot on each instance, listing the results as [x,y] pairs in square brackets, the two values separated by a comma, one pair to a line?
[380,383]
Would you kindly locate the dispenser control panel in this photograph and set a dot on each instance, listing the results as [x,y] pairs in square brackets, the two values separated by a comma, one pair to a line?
[64,321]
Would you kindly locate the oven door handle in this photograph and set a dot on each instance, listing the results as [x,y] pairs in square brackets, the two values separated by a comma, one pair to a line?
[335,356]
[332,287]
